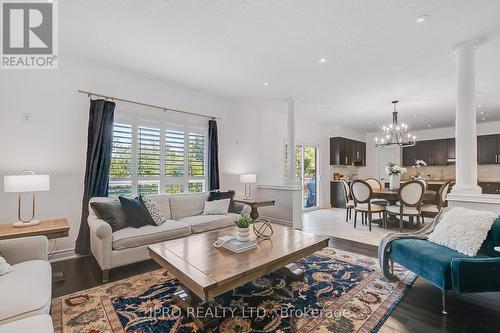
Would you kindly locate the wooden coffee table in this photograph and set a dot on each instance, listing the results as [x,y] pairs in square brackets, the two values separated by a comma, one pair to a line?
[206,272]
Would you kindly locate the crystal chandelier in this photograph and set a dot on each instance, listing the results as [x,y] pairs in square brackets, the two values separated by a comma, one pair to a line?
[395,134]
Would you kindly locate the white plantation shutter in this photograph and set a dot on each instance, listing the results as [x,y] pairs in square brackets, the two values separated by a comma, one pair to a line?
[174,153]
[120,172]
[151,158]
[196,152]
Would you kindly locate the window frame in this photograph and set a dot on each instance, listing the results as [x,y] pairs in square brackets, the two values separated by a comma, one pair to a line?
[162,180]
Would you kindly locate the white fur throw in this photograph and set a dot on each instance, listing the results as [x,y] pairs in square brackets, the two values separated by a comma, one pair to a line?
[463,230]
[4,266]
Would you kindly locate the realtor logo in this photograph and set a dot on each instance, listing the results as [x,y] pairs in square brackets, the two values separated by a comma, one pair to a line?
[29,34]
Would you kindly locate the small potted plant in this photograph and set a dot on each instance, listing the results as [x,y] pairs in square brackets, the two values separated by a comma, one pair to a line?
[395,172]
[243,222]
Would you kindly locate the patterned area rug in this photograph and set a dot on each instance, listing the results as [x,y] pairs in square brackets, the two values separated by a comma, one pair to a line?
[341,292]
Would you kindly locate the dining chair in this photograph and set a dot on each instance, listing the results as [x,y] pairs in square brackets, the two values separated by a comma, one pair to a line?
[349,203]
[376,185]
[424,182]
[410,196]
[362,194]
[431,209]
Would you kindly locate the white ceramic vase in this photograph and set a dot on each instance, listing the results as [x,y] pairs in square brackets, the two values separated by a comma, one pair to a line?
[243,234]
[394,181]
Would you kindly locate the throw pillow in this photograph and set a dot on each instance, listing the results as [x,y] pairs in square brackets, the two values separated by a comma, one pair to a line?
[135,215]
[4,266]
[110,212]
[217,195]
[463,230]
[151,208]
[216,207]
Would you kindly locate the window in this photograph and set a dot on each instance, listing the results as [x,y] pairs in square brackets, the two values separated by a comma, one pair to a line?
[157,158]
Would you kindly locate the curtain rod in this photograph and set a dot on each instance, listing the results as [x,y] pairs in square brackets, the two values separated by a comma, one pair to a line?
[146,104]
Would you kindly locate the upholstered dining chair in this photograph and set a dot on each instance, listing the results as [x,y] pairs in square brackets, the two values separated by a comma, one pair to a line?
[376,185]
[431,210]
[410,201]
[362,193]
[349,203]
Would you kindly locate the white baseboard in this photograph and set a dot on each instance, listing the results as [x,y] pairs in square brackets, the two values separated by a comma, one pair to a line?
[278,221]
[63,255]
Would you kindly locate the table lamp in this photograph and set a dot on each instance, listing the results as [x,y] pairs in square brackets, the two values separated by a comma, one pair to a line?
[248,179]
[26,181]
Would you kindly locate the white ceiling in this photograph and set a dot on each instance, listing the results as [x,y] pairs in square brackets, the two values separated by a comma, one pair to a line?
[375,49]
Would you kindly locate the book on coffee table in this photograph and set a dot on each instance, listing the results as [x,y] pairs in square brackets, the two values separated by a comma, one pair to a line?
[230,243]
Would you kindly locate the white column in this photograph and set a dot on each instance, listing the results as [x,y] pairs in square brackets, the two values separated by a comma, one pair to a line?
[291,177]
[465,121]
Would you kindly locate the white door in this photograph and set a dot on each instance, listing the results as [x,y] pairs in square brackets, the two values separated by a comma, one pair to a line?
[384,156]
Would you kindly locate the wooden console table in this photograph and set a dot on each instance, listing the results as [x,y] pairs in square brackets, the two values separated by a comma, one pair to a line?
[50,228]
[255,203]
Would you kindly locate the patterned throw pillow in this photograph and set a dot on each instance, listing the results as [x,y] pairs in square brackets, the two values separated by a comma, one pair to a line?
[4,266]
[154,210]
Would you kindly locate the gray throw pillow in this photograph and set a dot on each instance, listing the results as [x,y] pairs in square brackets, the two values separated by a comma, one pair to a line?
[111,212]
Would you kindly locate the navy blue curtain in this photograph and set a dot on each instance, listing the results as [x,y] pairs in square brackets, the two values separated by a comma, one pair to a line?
[213,156]
[99,148]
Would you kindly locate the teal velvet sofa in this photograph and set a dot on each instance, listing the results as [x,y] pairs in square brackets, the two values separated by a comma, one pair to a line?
[450,270]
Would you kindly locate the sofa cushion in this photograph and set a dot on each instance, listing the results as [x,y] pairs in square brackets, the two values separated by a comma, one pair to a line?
[111,212]
[184,205]
[149,234]
[39,323]
[136,217]
[163,202]
[429,260]
[202,223]
[218,195]
[26,291]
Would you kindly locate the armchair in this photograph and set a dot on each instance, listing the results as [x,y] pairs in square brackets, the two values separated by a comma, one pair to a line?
[448,269]
[26,291]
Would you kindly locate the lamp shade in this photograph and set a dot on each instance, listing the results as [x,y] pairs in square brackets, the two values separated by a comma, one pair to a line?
[248,178]
[26,183]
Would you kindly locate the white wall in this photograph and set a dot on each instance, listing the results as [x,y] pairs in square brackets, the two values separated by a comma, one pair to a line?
[428,134]
[54,141]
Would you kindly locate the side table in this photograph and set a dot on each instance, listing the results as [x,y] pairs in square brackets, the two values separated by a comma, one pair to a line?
[255,203]
[50,228]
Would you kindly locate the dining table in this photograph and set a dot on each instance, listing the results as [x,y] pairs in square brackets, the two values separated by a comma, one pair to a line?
[392,196]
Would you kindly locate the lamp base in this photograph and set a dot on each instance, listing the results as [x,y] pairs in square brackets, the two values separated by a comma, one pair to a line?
[20,224]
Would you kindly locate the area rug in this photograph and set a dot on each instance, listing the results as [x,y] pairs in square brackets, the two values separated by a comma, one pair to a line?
[341,292]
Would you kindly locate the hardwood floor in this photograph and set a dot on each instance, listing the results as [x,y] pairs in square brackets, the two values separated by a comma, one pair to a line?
[420,310]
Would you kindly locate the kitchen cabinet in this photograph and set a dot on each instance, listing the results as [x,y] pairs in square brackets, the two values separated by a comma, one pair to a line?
[490,187]
[438,152]
[347,152]
[337,195]
[409,155]
[450,151]
[488,149]
[423,151]
[432,152]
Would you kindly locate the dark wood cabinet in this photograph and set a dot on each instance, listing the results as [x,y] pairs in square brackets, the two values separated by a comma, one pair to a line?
[337,195]
[409,155]
[423,151]
[347,152]
[450,151]
[438,152]
[488,149]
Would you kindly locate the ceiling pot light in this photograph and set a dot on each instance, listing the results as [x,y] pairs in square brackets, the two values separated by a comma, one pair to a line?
[322,60]
[480,105]
[484,118]
[423,18]
[266,83]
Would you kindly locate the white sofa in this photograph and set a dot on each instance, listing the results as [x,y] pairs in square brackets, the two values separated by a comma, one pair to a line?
[25,293]
[129,245]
